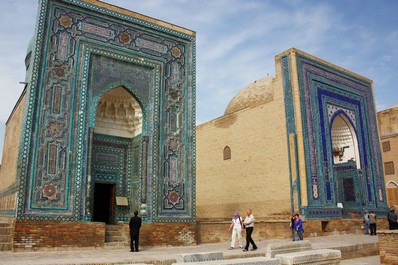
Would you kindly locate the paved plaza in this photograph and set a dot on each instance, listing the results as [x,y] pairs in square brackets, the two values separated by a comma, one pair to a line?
[167,255]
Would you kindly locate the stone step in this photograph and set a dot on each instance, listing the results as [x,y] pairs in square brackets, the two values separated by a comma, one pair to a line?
[5,246]
[199,257]
[113,233]
[287,247]
[115,239]
[358,250]
[115,244]
[317,256]
[239,261]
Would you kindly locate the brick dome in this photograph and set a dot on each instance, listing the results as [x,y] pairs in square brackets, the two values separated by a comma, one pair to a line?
[255,94]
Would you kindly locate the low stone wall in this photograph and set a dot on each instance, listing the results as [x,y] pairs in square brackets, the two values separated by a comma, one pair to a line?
[217,231]
[388,246]
[166,234]
[33,236]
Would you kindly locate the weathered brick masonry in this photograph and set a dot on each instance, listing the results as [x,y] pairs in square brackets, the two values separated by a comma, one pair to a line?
[167,234]
[35,236]
[32,236]
[388,242]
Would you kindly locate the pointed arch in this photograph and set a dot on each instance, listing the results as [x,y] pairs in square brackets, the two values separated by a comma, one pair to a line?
[96,101]
[344,139]
[392,192]
[227,153]
[117,113]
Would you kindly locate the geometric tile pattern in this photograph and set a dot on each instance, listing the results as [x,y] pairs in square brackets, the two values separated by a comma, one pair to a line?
[114,161]
[82,51]
[326,92]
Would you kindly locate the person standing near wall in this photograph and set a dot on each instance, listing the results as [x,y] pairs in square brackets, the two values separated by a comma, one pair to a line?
[249,225]
[135,225]
[372,221]
[366,222]
[298,228]
[236,227]
[392,219]
[292,219]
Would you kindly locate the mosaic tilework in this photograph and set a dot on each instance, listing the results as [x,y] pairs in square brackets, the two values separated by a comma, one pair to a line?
[323,86]
[326,92]
[113,161]
[291,130]
[88,51]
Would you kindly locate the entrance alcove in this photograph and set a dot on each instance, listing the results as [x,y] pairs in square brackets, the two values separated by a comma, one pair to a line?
[392,193]
[115,159]
[344,141]
[118,114]
[346,161]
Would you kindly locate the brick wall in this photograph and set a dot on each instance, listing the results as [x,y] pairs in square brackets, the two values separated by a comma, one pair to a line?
[257,174]
[166,234]
[388,242]
[32,236]
[217,231]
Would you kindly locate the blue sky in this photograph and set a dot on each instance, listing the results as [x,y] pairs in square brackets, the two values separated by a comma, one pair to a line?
[237,41]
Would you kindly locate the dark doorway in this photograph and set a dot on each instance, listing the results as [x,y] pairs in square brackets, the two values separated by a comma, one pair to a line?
[104,202]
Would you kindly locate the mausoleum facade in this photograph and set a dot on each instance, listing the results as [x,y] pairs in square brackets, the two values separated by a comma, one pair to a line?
[305,141]
[106,124]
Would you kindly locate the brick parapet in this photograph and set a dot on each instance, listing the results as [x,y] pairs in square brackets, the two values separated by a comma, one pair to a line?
[388,242]
[34,236]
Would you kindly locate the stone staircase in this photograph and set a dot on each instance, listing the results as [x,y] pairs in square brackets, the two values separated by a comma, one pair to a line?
[5,236]
[116,236]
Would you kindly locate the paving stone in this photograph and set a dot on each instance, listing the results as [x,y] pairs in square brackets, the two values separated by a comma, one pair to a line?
[198,257]
[242,261]
[317,256]
[287,247]
[167,255]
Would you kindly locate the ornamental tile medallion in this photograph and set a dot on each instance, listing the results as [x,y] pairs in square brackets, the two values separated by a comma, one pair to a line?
[82,52]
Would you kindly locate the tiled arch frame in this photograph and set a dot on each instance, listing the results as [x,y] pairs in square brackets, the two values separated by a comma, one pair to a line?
[319,85]
[59,53]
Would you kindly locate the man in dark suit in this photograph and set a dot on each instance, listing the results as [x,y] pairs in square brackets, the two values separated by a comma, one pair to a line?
[135,225]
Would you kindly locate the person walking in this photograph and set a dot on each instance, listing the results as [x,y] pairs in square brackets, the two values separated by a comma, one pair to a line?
[366,222]
[135,225]
[249,225]
[298,228]
[236,227]
[372,222]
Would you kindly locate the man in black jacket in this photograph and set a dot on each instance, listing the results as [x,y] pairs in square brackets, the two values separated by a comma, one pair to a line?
[135,225]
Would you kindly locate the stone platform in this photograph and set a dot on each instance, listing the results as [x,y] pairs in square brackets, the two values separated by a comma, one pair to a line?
[355,249]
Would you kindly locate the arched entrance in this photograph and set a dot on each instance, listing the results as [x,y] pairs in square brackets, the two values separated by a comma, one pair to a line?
[346,161]
[392,193]
[115,156]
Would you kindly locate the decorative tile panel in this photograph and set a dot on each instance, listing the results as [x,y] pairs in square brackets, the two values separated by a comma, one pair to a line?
[82,52]
[326,93]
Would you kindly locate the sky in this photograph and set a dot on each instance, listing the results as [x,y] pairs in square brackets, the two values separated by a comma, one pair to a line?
[237,41]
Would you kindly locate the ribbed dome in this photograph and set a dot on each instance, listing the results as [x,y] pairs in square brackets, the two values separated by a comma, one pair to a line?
[253,95]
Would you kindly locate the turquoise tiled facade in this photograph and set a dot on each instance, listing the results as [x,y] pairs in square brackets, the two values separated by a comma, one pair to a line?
[325,93]
[82,51]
